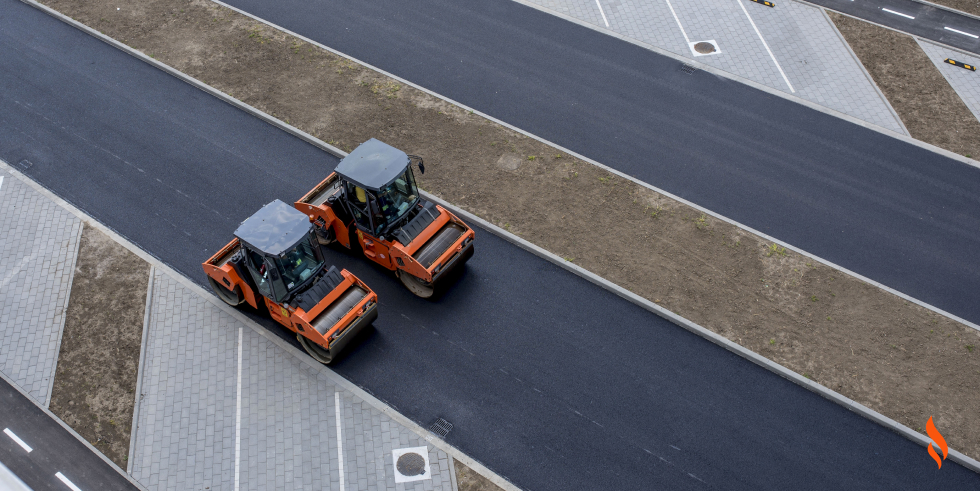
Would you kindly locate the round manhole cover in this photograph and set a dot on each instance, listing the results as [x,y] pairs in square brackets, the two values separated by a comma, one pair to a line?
[704,47]
[411,464]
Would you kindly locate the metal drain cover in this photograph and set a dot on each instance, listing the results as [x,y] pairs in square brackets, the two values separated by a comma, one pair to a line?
[688,69]
[441,427]
[704,47]
[411,464]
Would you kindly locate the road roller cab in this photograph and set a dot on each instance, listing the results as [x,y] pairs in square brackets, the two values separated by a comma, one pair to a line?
[372,201]
[275,261]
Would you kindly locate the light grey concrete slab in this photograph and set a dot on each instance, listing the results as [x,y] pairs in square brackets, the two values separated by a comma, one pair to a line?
[793,48]
[38,248]
[187,411]
[966,83]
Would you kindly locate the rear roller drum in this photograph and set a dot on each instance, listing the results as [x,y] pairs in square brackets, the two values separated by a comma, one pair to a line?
[230,297]
[315,350]
[416,285]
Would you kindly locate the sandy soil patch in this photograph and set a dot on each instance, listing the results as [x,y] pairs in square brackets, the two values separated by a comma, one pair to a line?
[871,346]
[95,380]
[930,108]
[468,480]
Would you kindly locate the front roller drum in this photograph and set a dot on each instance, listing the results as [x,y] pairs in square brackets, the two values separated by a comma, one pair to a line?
[230,297]
[425,289]
[327,356]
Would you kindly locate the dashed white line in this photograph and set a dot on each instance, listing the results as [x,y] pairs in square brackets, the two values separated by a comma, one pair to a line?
[974,36]
[238,415]
[17,440]
[603,13]
[68,483]
[671,7]
[340,442]
[764,43]
[898,13]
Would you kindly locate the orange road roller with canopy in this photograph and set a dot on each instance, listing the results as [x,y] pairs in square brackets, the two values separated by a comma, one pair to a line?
[275,261]
[372,199]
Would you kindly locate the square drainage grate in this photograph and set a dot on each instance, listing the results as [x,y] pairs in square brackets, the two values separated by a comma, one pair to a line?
[688,69]
[25,164]
[441,427]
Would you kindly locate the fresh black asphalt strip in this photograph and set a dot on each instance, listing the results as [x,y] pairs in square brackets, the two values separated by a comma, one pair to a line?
[52,450]
[889,210]
[548,379]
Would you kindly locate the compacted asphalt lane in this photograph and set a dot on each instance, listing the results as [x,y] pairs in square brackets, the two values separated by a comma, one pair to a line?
[893,212]
[549,380]
[53,450]
[926,21]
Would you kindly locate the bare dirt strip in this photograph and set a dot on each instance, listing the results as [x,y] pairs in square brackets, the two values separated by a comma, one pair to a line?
[95,382]
[930,108]
[894,357]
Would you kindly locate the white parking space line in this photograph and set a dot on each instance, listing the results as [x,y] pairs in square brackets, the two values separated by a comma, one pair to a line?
[898,13]
[764,43]
[602,12]
[1,177]
[671,7]
[238,416]
[974,36]
[68,483]
[17,439]
[340,441]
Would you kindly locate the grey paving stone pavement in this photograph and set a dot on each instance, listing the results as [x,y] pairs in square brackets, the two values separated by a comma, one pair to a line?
[965,82]
[38,247]
[185,435]
[818,64]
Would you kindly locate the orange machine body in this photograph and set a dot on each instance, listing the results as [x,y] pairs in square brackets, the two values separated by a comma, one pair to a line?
[388,252]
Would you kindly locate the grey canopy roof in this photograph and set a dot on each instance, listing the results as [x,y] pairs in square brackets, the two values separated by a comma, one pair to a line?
[373,165]
[275,228]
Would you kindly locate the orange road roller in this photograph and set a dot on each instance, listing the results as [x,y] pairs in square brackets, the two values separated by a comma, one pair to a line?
[275,262]
[371,201]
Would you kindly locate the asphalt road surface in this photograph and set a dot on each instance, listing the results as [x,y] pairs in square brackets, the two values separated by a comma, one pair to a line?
[940,25]
[53,449]
[549,380]
[893,212]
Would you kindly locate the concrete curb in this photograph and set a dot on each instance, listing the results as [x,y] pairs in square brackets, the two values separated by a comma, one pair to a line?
[337,152]
[341,382]
[864,70]
[139,371]
[65,426]
[64,313]
[452,475]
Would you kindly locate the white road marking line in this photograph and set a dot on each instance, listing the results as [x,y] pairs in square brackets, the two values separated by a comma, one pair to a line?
[17,439]
[68,483]
[340,441]
[898,13]
[1,177]
[238,415]
[603,13]
[671,7]
[764,43]
[974,36]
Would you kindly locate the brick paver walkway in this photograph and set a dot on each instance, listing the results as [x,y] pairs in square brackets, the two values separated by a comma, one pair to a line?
[38,246]
[185,438]
[966,83]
